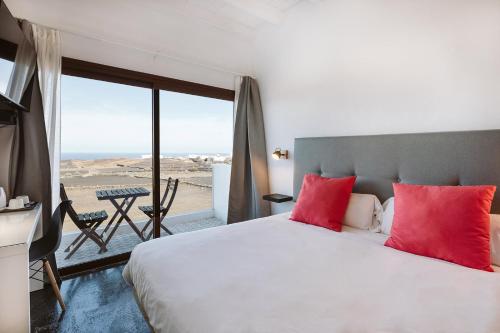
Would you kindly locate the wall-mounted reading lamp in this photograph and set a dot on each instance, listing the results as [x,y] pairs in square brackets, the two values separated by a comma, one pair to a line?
[280,154]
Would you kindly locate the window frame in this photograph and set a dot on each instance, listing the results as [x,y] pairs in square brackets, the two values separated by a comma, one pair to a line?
[90,70]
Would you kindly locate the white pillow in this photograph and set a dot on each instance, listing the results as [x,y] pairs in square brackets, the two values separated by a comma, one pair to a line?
[495,239]
[388,217]
[364,211]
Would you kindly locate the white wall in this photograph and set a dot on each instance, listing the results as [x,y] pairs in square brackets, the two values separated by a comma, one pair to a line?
[221,177]
[93,50]
[349,67]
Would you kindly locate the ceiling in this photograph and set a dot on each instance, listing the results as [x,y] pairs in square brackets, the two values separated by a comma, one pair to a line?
[241,16]
[200,31]
[236,16]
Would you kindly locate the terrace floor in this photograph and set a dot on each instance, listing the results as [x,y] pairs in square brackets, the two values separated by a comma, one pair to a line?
[124,240]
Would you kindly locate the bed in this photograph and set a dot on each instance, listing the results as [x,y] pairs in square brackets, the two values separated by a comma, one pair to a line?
[275,275]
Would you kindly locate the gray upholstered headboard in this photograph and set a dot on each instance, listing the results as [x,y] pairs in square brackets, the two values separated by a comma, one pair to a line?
[450,158]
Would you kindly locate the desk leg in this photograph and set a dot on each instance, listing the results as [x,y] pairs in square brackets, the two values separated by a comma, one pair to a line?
[15,292]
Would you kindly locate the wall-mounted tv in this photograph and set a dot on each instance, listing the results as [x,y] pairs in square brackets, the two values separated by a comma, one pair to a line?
[11,37]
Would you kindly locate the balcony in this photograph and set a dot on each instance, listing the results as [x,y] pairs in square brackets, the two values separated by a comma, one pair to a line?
[200,203]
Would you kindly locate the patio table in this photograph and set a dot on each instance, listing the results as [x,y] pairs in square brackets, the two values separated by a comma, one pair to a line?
[128,197]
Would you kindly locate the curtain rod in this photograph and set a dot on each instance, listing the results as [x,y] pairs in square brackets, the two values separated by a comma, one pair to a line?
[153,53]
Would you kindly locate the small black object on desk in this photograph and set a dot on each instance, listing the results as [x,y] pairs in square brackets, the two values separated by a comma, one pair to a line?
[279,198]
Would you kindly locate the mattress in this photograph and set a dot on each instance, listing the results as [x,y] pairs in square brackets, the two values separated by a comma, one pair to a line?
[275,275]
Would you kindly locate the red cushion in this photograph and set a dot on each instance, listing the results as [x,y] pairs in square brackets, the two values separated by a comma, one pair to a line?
[323,201]
[444,222]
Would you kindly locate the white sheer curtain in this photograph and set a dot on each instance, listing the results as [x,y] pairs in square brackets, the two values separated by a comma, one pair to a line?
[237,87]
[48,48]
[24,66]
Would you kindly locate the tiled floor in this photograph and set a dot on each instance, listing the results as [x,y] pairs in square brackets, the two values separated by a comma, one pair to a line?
[95,302]
[123,241]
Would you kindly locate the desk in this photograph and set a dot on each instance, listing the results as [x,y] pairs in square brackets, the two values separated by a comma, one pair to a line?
[17,230]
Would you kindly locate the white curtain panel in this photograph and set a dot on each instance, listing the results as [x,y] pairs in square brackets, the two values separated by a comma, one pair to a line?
[48,48]
[24,66]
[237,87]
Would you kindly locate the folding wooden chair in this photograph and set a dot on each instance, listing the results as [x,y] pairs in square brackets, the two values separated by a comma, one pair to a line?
[87,223]
[171,188]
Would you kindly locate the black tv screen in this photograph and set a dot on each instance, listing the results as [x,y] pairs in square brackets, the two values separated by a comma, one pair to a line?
[11,36]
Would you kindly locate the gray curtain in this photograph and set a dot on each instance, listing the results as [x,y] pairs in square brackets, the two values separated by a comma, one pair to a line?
[29,171]
[30,168]
[249,178]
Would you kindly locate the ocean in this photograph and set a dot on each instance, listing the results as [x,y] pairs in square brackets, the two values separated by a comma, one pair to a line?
[100,156]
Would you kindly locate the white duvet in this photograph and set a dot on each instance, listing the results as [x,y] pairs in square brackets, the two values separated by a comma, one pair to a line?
[274,275]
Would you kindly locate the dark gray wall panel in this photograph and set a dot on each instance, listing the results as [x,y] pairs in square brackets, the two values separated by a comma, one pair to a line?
[448,158]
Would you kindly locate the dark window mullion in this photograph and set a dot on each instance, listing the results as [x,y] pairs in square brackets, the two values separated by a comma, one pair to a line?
[156,163]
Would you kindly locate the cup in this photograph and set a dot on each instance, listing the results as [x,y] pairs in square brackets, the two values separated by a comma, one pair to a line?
[16,203]
[24,198]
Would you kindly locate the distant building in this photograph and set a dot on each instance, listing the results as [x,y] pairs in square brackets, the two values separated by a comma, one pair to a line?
[149,156]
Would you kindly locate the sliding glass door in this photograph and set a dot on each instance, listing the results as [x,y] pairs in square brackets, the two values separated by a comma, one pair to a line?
[106,167]
[124,135]
[196,135]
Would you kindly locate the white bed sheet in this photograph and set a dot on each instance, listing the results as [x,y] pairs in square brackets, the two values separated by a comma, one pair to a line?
[274,275]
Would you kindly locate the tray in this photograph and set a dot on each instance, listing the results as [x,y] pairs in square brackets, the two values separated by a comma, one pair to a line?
[29,206]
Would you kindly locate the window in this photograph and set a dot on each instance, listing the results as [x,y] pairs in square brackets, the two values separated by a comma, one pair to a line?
[107,137]
[196,146]
[105,145]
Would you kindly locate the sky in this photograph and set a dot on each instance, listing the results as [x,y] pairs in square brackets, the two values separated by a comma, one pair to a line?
[103,117]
